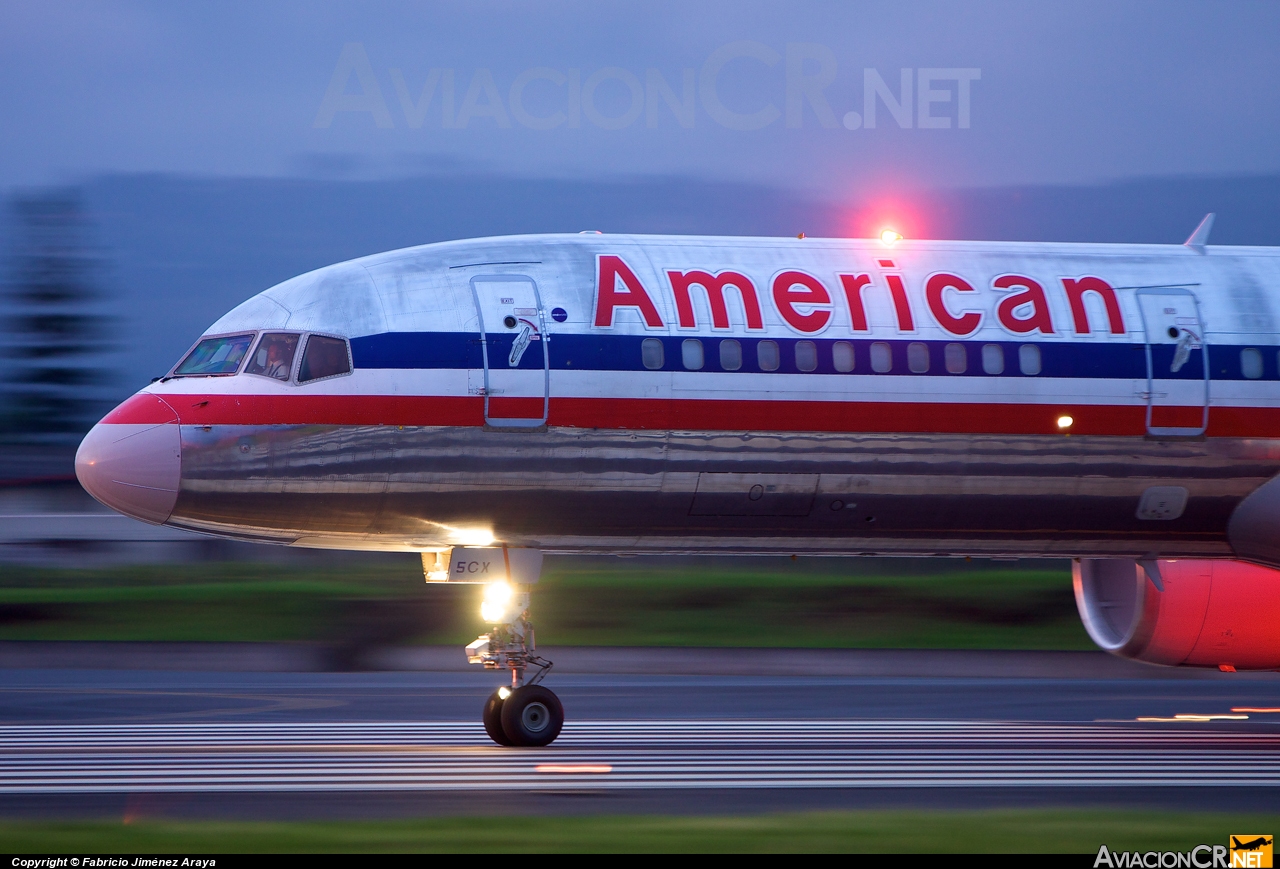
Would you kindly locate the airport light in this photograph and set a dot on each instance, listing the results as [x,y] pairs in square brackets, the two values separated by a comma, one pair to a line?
[889,237]
[1065,422]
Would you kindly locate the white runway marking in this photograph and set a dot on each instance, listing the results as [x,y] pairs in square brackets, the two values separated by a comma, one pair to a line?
[596,755]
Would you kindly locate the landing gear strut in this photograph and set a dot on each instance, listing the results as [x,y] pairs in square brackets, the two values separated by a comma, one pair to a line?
[525,714]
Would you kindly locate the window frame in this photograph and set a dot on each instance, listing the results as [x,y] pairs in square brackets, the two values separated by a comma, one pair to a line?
[777,349]
[662,354]
[296,364]
[253,342]
[686,346]
[853,357]
[914,351]
[1030,350]
[811,347]
[998,353]
[1262,364]
[888,351]
[724,343]
[296,374]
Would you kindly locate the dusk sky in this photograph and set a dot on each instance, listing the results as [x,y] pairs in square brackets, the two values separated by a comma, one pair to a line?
[224,147]
[774,94]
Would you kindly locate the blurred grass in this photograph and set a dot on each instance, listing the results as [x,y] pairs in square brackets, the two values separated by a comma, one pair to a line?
[1031,831]
[739,602]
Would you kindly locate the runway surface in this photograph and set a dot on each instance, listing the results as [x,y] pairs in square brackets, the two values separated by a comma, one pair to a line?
[95,742]
[628,755]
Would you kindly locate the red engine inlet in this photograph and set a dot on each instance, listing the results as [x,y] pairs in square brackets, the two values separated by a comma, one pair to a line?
[1182,613]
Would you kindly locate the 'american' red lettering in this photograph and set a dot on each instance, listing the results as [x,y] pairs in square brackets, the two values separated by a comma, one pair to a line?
[1077,287]
[853,285]
[965,324]
[793,288]
[714,285]
[609,270]
[1032,294]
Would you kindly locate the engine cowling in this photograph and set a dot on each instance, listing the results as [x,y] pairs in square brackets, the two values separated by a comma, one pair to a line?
[1182,613]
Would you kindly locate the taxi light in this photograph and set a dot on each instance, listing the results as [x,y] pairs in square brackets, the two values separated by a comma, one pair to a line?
[504,693]
[1065,422]
[497,596]
[474,536]
[890,236]
[497,592]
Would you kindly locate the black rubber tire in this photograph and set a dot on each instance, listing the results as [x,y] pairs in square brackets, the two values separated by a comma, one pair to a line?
[493,719]
[532,715]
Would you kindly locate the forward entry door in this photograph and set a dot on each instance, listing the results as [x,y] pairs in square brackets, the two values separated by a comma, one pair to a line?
[1177,362]
[514,343]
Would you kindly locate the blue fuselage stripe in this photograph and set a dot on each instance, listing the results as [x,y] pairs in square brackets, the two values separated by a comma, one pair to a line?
[570,352]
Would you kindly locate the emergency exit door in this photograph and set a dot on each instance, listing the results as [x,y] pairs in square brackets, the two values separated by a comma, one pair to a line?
[514,345]
[1177,362]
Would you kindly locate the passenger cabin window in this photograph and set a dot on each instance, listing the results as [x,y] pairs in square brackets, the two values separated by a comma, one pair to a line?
[767,355]
[651,354]
[1029,359]
[955,359]
[806,355]
[881,357]
[842,356]
[215,356]
[1251,363]
[324,357]
[691,354]
[992,359]
[730,354]
[274,356]
[917,357]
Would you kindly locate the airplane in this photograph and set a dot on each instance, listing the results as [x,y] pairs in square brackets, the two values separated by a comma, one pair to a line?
[485,401]
[1251,845]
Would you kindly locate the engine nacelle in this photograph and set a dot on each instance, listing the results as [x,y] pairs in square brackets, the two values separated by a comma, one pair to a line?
[1188,613]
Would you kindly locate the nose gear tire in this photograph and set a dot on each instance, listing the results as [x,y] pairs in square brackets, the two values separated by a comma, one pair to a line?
[531,716]
[493,719]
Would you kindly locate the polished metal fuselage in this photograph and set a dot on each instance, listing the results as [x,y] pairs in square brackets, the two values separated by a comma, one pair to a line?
[592,490]
[1122,370]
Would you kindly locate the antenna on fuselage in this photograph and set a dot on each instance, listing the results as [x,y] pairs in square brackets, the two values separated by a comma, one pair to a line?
[1200,237]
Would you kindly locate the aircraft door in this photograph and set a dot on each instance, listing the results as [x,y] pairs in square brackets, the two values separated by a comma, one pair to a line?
[1177,362]
[514,345]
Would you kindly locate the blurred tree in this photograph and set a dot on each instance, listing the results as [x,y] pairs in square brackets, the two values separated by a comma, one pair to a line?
[56,365]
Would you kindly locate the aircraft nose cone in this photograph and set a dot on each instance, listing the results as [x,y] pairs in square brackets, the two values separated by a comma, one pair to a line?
[132,460]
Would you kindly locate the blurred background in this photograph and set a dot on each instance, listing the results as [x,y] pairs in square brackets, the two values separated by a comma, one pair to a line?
[162,164]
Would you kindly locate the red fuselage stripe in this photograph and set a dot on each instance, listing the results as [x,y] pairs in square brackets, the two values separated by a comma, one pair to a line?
[142,409]
[690,414]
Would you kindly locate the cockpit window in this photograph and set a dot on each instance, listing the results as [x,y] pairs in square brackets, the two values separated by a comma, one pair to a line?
[274,356]
[214,356]
[324,357]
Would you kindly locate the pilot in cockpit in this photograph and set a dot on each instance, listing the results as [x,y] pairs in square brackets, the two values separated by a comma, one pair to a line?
[274,357]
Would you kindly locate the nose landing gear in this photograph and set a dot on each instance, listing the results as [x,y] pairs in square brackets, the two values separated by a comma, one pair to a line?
[526,714]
